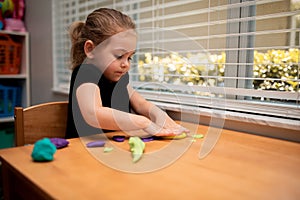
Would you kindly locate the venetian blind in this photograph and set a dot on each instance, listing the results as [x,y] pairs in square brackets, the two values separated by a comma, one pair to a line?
[237,55]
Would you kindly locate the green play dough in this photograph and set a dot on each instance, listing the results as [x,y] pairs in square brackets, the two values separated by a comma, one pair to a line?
[198,136]
[43,150]
[107,149]
[137,147]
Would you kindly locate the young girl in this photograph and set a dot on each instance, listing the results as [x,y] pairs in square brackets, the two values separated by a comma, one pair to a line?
[100,97]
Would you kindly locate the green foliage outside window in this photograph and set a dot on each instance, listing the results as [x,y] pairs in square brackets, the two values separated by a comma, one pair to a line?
[272,70]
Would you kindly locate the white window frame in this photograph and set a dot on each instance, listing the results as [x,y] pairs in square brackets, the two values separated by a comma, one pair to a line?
[235,107]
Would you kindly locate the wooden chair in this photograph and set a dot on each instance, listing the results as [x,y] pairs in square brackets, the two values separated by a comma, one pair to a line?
[39,121]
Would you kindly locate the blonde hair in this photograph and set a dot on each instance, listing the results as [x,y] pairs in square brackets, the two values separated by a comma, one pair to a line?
[99,25]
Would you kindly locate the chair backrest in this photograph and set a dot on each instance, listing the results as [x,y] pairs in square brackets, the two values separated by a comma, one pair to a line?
[43,120]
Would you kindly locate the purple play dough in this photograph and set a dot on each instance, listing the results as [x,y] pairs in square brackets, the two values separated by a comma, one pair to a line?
[118,138]
[59,142]
[147,139]
[98,143]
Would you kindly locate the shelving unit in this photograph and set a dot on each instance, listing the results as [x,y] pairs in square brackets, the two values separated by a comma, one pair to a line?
[22,79]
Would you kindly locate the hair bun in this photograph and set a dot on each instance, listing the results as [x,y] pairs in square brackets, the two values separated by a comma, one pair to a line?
[75,30]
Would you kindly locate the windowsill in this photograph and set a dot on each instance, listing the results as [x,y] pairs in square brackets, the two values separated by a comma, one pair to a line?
[249,123]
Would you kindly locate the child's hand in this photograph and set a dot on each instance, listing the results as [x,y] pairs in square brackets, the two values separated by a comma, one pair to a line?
[177,129]
[154,129]
[172,126]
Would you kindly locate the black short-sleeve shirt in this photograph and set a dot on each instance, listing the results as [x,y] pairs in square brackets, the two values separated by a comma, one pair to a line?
[113,95]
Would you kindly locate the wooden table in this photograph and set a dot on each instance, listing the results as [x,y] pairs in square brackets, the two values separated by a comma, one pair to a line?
[241,166]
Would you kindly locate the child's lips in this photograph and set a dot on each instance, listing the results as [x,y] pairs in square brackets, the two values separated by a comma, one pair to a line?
[120,73]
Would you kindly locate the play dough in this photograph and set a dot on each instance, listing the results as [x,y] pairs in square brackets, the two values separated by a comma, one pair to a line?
[176,137]
[198,136]
[118,138]
[137,147]
[59,142]
[98,143]
[43,150]
[147,139]
[107,149]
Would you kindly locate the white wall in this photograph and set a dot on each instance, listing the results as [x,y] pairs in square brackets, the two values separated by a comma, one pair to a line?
[38,23]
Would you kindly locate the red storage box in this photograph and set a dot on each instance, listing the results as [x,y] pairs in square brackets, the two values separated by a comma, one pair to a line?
[10,55]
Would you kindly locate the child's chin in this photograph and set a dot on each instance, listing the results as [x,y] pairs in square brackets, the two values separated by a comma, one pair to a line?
[116,79]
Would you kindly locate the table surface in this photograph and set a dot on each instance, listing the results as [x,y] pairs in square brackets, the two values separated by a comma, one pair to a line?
[240,166]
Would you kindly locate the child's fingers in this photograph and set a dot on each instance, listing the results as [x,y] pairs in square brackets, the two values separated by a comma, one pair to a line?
[172,131]
[162,134]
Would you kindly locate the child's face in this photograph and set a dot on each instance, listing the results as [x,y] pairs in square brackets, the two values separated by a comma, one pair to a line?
[113,56]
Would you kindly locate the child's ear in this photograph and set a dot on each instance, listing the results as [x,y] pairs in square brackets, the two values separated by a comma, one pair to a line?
[88,49]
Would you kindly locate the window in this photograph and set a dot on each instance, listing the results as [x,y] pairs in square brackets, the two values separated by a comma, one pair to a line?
[239,56]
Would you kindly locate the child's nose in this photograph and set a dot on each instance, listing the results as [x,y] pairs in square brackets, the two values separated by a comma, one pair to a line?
[125,63]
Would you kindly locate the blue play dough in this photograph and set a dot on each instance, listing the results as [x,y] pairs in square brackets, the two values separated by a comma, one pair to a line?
[43,150]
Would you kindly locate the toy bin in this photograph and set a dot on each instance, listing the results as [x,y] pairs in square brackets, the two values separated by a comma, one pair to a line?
[10,97]
[6,137]
[10,55]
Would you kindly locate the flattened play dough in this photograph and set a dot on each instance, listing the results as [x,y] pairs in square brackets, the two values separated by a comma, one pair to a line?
[147,139]
[59,142]
[107,149]
[198,136]
[137,147]
[118,138]
[176,137]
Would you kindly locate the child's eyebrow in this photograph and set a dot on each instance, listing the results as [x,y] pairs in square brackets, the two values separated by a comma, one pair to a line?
[124,50]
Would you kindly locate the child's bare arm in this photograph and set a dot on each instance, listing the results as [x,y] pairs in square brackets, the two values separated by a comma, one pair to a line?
[90,104]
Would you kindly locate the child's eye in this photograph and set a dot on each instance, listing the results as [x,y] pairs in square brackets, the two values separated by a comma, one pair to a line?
[118,56]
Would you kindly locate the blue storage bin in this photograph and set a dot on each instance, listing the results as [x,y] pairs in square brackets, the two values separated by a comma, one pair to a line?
[10,97]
